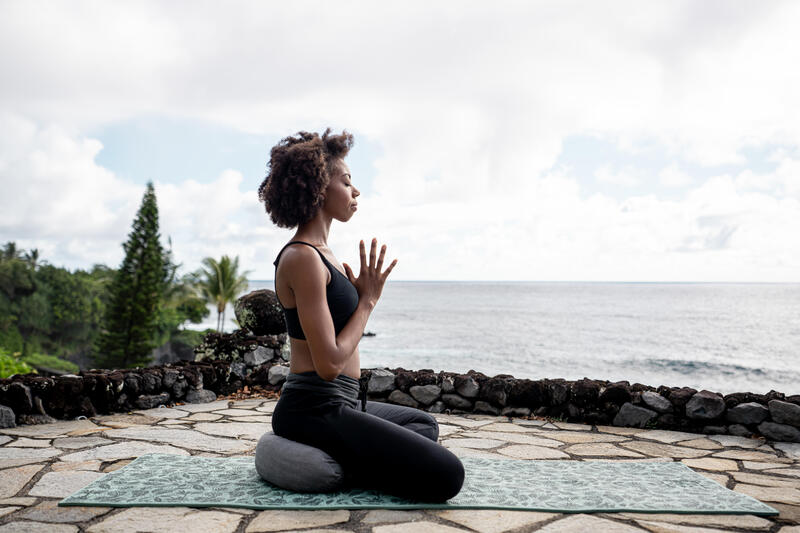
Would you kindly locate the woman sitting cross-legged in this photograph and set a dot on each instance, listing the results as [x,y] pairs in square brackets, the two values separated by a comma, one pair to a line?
[380,446]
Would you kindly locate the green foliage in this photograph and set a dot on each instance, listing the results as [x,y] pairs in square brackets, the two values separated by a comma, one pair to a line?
[10,364]
[221,283]
[130,328]
[11,339]
[39,360]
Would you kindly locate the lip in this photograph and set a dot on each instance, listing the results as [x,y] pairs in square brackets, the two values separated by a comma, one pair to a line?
[354,207]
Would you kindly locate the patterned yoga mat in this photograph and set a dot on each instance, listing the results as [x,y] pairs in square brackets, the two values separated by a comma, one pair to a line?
[163,480]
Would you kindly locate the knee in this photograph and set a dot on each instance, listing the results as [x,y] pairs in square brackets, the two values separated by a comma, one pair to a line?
[444,481]
[430,427]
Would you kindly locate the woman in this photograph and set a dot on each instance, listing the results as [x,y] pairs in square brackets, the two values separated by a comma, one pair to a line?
[386,447]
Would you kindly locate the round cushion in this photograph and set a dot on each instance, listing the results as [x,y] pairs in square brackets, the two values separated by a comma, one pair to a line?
[296,466]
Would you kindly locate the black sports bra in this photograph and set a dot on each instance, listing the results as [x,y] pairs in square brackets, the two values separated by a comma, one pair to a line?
[341,294]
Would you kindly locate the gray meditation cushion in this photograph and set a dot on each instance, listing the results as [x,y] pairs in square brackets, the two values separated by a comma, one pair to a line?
[296,466]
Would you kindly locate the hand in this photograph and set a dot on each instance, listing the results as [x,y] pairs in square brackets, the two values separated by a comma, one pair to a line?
[370,280]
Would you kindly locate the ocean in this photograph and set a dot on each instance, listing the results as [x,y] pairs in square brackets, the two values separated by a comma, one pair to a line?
[724,337]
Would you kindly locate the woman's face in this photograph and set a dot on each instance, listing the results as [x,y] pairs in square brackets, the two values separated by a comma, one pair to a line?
[340,196]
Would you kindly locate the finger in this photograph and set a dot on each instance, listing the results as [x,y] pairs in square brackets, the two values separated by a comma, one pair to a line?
[349,272]
[363,256]
[389,269]
[380,257]
[372,253]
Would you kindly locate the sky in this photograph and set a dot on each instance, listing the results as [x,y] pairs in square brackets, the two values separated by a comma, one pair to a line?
[542,141]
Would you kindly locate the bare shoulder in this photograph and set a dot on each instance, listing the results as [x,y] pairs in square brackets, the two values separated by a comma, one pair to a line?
[300,262]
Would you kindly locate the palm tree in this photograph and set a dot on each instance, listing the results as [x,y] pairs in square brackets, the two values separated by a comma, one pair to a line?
[221,283]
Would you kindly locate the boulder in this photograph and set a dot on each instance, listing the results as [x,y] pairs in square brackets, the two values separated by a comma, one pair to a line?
[515,411]
[200,396]
[785,413]
[148,401]
[401,398]
[425,394]
[380,381]
[747,413]
[485,407]
[584,392]
[494,391]
[705,405]
[739,430]
[7,418]
[531,394]
[437,407]
[655,401]
[780,432]
[457,402]
[630,415]
[466,386]
[679,397]
[260,313]
[259,356]
[617,393]
[277,374]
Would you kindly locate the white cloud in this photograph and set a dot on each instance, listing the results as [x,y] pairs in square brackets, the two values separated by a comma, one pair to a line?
[469,104]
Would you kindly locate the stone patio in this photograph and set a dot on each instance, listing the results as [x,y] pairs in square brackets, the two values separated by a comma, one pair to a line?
[41,464]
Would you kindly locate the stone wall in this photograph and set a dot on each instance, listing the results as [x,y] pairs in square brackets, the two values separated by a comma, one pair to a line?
[26,399]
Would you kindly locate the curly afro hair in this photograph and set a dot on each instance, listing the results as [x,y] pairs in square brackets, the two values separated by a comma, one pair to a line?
[298,175]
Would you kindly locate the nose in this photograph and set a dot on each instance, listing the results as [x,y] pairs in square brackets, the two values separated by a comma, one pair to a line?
[356,192]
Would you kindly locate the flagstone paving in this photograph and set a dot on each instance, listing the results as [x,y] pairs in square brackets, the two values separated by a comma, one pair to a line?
[41,464]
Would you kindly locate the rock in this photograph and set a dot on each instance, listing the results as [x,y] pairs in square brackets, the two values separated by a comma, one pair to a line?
[715,430]
[425,394]
[380,381]
[277,374]
[585,392]
[529,393]
[747,413]
[259,356]
[62,484]
[466,386]
[632,416]
[705,405]
[169,378]
[656,402]
[457,402]
[616,393]
[785,412]
[179,387]
[148,401]
[437,407]
[494,391]
[19,398]
[739,430]
[679,397]
[559,392]
[515,411]
[30,420]
[486,407]
[238,370]
[780,432]
[260,313]
[401,398]
[7,417]
[447,384]
[200,396]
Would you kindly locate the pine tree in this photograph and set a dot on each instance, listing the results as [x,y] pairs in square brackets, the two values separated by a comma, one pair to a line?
[136,293]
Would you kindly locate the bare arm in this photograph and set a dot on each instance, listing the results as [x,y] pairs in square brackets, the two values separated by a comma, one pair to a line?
[330,352]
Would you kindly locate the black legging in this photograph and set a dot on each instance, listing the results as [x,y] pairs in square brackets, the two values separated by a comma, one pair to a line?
[390,448]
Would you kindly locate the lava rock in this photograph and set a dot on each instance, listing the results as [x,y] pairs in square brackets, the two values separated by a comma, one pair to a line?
[485,407]
[515,411]
[380,381]
[739,430]
[133,384]
[7,418]
[148,401]
[200,396]
[277,374]
[19,398]
[785,413]
[531,394]
[401,398]
[259,356]
[585,392]
[238,369]
[715,430]
[559,391]
[260,313]
[437,407]
[616,393]
[466,386]
[656,402]
[457,402]
[151,382]
[679,397]
[494,391]
[630,415]
[425,394]
[179,387]
[705,405]
[781,432]
[169,378]
[747,413]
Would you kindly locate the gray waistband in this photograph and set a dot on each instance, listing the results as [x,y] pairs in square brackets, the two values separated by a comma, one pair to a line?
[343,386]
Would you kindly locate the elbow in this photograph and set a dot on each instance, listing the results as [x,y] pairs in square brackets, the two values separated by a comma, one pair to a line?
[328,371]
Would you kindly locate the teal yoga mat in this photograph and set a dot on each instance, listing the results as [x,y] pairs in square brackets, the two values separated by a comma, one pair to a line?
[163,480]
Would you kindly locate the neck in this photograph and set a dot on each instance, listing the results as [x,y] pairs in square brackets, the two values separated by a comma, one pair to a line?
[315,231]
